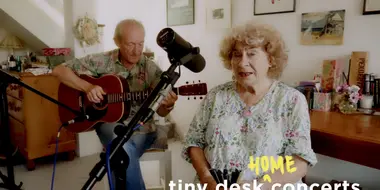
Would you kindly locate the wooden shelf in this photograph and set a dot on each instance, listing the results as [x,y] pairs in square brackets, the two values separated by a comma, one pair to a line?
[338,135]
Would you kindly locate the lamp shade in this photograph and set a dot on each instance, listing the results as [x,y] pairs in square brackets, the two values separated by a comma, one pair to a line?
[11,42]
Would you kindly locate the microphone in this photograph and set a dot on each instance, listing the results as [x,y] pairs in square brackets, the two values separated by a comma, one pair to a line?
[179,49]
[156,103]
[76,119]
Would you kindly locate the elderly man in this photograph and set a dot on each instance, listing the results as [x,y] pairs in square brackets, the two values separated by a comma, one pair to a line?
[129,62]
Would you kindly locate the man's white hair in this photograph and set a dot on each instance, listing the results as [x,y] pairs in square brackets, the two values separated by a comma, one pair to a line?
[129,22]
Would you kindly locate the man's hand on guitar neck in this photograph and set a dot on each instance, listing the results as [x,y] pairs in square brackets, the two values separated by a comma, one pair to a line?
[95,93]
[167,104]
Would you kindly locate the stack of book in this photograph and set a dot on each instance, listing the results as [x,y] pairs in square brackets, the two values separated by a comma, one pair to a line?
[376,93]
[308,88]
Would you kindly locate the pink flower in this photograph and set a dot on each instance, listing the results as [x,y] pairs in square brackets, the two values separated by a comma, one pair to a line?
[295,100]
[338,89]
[247,113]
[355,97]
[345,87]
[244,129]
[350,93]
[342,88]
[291,134]
[217,131]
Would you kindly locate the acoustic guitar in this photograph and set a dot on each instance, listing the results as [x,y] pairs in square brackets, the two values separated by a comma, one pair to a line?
[116,104]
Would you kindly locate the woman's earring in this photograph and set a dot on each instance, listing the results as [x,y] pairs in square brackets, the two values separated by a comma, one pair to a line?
[233,77]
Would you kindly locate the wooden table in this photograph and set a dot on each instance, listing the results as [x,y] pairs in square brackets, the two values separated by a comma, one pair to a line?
[353,138]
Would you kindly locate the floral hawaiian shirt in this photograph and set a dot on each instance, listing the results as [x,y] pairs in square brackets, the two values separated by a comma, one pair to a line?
[145,74]
[277,125]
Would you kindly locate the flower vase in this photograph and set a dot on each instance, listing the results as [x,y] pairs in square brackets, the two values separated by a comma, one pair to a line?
[347,107]
[336,100]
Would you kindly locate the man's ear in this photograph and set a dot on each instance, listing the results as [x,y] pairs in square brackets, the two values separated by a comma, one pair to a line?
[117,42]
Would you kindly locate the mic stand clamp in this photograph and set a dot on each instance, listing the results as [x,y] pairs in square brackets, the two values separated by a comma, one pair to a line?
[118,158]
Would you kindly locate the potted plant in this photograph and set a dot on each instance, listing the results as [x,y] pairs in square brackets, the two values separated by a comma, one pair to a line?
[348,98]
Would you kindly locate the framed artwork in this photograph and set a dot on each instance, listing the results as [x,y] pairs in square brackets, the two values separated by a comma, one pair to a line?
[265,7]
[180,12]
[218,14]
[371,7]
[322,28]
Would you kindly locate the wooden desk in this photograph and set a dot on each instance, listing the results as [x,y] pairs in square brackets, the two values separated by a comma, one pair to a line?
[34,121]
[353,138]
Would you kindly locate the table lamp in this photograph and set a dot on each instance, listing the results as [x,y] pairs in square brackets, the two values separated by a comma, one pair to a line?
[11,42]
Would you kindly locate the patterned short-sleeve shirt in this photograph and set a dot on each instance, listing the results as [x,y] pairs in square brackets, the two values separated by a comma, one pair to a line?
[145,74]
[278,125]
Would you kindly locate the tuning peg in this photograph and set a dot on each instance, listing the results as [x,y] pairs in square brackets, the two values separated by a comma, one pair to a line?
[199,81]
[187,82]
[201,97]
[195,98]
[188,98]
[193,82]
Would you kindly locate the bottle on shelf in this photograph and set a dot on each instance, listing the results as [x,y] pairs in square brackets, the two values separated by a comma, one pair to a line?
[12,63]
[19,64]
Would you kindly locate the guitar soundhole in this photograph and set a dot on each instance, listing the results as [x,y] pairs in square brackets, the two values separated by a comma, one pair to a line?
[100,106]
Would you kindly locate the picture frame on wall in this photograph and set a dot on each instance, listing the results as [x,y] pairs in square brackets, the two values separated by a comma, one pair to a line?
[266,7]
[218,14]
[323,28]
[180,12]
[371,7]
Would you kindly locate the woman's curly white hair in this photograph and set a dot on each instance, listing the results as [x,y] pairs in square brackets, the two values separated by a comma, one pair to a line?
[255,34]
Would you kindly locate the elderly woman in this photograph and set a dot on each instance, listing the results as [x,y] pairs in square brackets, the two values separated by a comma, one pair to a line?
[253,115]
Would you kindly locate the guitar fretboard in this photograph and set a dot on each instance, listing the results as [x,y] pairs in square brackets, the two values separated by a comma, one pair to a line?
[131,96]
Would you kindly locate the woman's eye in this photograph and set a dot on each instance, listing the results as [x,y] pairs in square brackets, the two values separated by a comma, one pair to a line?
[236,54]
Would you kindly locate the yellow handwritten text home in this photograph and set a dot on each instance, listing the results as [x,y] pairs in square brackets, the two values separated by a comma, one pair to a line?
[266,163]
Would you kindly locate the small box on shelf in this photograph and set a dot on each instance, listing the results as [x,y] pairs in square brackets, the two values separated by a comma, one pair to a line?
[322,101]
[56,51]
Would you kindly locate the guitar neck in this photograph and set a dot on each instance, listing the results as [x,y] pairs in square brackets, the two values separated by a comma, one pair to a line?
[131,96]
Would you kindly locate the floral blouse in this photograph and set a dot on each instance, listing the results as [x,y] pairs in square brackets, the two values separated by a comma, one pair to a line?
[278,125]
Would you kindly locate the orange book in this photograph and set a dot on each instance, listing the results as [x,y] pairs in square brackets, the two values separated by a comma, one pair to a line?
[358,67]
[332,73]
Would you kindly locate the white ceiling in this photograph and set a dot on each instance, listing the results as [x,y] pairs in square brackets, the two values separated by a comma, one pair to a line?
[12,26]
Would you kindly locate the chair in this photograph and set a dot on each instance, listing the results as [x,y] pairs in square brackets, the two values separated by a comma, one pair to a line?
[165,159]
[159,152]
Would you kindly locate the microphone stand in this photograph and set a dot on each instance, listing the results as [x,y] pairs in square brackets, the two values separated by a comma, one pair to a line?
[5,80]
[118,158]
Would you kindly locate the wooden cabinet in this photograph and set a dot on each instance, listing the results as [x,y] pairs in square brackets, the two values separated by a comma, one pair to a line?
[34,120]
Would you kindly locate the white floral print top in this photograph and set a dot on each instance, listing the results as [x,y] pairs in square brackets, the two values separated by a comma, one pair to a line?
[278,125]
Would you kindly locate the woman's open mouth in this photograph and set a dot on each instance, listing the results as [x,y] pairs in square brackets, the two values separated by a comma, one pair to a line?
[245,74]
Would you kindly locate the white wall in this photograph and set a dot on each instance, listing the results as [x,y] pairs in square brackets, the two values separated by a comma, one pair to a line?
[361,34]
[38,18]
[57,5]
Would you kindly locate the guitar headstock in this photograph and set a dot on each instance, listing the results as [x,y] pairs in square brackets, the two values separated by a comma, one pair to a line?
[194,89]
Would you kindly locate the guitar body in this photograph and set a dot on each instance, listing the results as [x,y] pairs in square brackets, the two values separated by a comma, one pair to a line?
[116,104]
[101,112]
